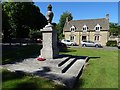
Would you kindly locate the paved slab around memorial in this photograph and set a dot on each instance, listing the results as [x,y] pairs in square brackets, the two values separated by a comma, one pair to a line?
[63,70]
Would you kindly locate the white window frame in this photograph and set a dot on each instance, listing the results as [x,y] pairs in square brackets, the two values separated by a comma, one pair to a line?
[98,27]
[85,28]
[72,29]
[97,38]
[73,37]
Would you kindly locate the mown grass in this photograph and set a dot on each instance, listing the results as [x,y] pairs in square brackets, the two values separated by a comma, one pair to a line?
[99,72]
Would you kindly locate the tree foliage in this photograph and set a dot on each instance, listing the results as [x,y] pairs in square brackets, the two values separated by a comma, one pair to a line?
[23,16]
[114,29]
[63,18]
[5,25]
[61,23]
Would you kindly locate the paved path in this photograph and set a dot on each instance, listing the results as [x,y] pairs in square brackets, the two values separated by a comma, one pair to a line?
[71,65]
[105,47]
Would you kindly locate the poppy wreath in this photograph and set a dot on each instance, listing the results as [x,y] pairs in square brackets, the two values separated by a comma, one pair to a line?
[41,59]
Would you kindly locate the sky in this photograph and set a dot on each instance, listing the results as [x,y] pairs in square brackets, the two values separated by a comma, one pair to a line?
[61,0]
[82,10]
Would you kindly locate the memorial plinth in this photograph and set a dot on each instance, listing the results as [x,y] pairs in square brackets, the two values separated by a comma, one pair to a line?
[49,34]
[50,49]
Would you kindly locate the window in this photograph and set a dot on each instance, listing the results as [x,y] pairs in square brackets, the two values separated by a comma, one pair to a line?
[72,29]
[97,27]
[97,38]
[72,38]
[85,28]
[67,40]
[90,41]
[83,38]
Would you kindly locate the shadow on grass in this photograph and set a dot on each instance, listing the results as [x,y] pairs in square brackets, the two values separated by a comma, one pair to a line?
[33,86]
[68,50]
[91,58]
[14,54]
[18,75]
[26,86]
[79,83]
[70,56]
[7,75]
[14,59]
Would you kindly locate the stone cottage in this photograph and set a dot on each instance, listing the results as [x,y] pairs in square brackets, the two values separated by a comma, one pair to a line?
[96,30]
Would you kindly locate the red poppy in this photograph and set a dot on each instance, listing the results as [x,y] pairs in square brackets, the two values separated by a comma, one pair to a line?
[41,59]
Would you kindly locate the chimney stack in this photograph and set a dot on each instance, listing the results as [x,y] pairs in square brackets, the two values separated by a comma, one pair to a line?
[67,19]
[107,16]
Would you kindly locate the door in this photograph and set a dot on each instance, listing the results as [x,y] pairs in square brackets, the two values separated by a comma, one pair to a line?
[83,38]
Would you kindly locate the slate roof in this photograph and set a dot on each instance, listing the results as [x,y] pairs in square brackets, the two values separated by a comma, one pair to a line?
[90,23]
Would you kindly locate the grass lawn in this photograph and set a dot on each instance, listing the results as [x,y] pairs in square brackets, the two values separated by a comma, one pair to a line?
[99,72]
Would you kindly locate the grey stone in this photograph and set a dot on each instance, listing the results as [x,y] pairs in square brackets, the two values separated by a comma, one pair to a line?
[50,49]
[49,69]
[49,14]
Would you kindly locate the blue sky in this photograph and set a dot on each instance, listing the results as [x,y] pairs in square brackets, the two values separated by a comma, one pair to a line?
[82,10]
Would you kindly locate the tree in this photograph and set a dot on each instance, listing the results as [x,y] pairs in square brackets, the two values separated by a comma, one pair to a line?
[114,29]
[61,23]
[24,16]
[5,25]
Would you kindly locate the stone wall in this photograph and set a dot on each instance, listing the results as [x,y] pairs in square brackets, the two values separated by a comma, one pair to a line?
[104,35]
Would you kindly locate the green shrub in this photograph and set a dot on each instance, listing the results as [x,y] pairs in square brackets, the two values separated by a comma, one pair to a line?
[111,43]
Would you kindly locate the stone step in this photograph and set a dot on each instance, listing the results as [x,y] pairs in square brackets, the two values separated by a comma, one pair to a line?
[75,69]
[66,64]
[69,65]
[64,61]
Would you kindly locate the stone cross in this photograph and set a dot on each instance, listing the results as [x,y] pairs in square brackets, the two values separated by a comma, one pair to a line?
[49,34]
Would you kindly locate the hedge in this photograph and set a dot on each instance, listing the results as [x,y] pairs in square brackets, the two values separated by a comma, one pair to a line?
[112,43]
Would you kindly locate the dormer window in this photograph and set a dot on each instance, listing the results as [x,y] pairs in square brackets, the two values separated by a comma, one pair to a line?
[97,27]
[72,29]
[85,28]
